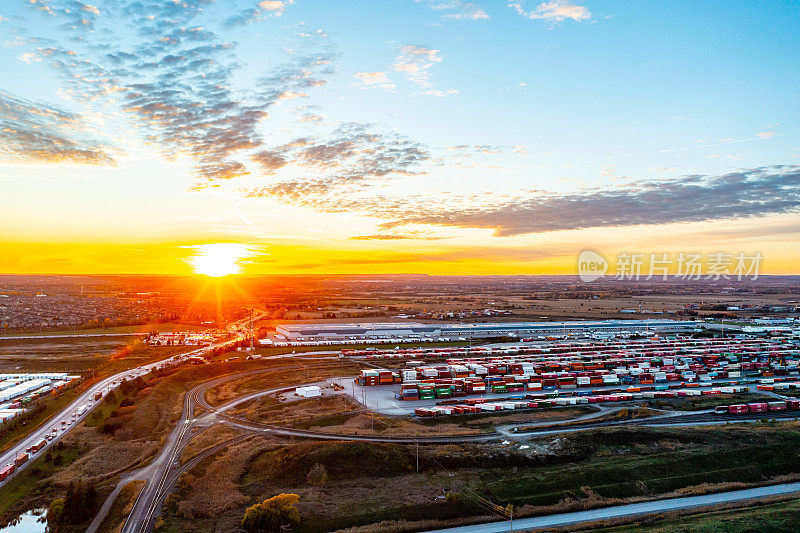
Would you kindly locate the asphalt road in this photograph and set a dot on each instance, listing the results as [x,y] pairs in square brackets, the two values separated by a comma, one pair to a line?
[622,511]
[68,418]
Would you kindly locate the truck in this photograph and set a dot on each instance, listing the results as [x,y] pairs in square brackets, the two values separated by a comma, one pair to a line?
[7,471]
[20,460]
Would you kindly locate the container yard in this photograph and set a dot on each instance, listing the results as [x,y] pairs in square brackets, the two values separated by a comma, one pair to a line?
[18,390]
[470,380]
[409,331]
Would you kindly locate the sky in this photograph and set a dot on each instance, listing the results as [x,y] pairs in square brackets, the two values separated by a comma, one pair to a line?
[395,136]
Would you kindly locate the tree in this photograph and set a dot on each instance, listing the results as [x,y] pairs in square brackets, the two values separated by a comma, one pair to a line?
[272,514]
[54,513]
[318,475]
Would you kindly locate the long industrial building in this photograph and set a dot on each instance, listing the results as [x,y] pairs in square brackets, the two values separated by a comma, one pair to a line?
[410,330]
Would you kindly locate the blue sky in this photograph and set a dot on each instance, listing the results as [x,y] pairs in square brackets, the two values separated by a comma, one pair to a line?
[399,123]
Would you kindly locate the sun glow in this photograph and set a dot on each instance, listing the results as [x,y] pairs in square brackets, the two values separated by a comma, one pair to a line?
[217,260]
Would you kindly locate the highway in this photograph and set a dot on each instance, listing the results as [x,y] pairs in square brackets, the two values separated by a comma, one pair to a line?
[630,510]
[69,418]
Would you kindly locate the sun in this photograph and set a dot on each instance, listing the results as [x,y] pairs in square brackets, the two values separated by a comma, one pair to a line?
[220,259]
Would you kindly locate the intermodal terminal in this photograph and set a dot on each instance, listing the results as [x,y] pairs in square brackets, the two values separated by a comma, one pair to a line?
[418,331]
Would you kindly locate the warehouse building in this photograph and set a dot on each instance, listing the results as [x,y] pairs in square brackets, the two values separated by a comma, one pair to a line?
[413,331]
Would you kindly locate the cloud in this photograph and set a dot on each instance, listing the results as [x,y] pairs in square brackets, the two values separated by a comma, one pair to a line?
[353,155]
[35,132]
[274,8]
[744,194]
[415,62]
[457,10]
[173,78]
[365,80]
[766,135]
[409,235]
[553,11]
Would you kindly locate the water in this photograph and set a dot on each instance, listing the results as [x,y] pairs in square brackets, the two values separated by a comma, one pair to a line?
[28,523]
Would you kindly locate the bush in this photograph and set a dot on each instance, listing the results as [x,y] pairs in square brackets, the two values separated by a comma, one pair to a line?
[318,474]
[272,514]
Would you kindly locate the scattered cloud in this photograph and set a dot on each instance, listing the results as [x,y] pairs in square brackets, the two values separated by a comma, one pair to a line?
[353,155]
[766,135]
[747,193]
[415,62]
[39,133]
[274,8]
[173,78]
[555,11]
[365,80]
[457,10]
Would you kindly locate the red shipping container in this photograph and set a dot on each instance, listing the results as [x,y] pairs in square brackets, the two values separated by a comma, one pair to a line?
[757,407]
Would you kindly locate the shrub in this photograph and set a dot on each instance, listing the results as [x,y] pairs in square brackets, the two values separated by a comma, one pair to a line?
[318,474]
[272,514]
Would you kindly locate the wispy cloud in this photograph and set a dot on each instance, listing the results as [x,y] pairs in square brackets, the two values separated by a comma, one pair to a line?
[274,8]
[457,10]
[415,62]
[365,80]
[552,11]
[36,132]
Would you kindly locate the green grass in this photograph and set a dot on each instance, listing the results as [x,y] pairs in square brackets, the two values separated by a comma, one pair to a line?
[103,410]
[26,483]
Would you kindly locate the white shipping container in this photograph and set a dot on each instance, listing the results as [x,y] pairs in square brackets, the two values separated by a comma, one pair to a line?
[308,392]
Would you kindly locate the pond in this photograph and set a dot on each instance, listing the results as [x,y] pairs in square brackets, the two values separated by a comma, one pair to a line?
[30,522]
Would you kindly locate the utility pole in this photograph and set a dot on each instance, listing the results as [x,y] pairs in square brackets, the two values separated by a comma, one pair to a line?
[417,457]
